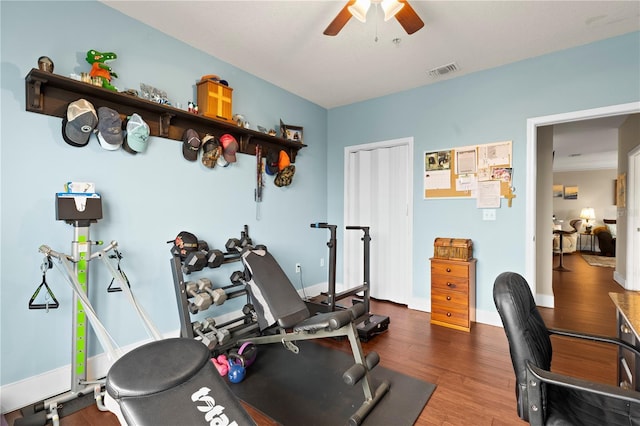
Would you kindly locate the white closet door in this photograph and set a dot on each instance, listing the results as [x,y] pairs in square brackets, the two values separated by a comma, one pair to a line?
[377,195]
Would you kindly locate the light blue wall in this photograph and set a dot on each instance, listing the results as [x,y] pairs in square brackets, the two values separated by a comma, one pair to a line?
[483,107]
[480,108]
[147,198]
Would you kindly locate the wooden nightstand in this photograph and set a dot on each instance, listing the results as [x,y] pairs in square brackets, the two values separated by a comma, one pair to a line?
[453,293]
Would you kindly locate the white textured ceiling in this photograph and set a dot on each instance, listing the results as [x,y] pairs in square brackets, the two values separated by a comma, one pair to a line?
[282,43]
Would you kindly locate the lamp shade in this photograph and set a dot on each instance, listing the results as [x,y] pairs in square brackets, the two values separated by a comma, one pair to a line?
[359,9]
[587,214]
[390,8]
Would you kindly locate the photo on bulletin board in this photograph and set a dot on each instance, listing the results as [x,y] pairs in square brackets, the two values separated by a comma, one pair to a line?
[502,174]
[571,192]
[558,191]
[438,160]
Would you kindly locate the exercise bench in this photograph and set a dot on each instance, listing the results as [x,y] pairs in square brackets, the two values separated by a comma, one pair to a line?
[283,317]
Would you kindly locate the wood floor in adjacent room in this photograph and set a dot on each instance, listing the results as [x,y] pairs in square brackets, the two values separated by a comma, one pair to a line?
[472,371]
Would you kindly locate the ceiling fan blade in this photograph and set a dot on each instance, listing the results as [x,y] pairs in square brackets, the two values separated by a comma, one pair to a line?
[408,18]
[340,20]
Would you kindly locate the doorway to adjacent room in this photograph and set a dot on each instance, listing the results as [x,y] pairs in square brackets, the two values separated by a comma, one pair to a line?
[534,253]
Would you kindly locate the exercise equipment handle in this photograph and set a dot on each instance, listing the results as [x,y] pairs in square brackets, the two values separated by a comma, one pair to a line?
[364,228]
[320,225]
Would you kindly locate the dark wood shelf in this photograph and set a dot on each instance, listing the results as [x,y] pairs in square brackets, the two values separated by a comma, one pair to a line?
[49,94]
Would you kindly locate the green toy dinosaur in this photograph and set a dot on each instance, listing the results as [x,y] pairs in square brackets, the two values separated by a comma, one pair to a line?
[99,67]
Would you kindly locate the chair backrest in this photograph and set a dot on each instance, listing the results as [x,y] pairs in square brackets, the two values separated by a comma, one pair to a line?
[526,332]
[576,224]
[272,293]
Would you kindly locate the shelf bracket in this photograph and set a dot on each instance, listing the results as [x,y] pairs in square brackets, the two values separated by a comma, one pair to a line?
[35,97]
[244,142]
[164,123]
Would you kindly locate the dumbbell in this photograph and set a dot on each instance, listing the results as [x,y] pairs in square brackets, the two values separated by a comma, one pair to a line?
[222,335]
[201,301]
[218,295]
[233,244]
[237,277]
[215,258]
[195,261]
[203,245]
[209,339]
[245,240]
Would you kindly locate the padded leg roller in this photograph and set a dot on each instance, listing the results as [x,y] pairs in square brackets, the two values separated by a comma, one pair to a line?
[357,371]
[173,381]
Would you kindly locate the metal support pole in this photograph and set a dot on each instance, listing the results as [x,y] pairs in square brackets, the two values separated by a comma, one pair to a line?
[81,253]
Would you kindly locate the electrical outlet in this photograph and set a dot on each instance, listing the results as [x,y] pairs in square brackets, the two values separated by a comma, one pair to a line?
[489,214]
[298,267]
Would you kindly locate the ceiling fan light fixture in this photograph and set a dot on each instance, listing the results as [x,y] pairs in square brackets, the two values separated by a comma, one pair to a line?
[391,8]
[359,9]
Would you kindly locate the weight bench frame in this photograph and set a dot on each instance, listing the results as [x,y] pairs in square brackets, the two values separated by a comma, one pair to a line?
[275,297]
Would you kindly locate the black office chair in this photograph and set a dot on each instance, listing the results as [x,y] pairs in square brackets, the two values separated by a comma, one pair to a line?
[543,397]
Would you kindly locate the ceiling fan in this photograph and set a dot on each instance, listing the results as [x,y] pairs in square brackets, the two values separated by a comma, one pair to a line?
[400,9]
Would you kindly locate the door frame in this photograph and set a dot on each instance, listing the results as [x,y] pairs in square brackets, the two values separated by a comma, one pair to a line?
[407,291]
[531,169]
[633,221]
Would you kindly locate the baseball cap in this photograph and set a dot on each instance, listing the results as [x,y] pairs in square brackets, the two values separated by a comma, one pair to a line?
[211,150]
[190,145]
[283,160]
[229,147]
[79,122]
[137,134]
[272,163]
[183,244]
[109,128]
[285,176]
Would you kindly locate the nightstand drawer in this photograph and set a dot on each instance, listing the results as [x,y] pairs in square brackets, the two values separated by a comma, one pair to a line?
[459,317]
[442,283]
[450,300]
[449,268]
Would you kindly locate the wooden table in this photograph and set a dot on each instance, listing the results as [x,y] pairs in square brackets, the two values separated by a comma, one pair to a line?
[560,233]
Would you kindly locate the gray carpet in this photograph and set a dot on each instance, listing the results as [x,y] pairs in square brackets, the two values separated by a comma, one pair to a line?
[307,389]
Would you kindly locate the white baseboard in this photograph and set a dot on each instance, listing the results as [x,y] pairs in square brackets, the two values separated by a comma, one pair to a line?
[57,381]
[545,300]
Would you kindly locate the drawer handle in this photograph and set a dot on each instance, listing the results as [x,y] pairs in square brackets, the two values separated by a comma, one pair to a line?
[625,328]
[448,297]
[448,314]
[451,285]
[448,269]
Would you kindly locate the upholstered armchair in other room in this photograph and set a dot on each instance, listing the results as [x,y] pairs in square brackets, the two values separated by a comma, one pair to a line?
[606,236]
[569,239]
[544,397]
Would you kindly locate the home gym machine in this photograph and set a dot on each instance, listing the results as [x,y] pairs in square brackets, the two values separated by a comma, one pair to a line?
[369,325]
[79,209]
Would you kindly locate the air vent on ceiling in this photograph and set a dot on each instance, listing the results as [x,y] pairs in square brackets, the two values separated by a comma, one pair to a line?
[443,70]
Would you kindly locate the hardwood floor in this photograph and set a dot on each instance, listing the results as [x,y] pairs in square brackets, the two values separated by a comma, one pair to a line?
[472,371]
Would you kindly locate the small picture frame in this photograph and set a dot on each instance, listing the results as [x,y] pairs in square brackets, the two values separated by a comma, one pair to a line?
[292,133]
[571,192]
[558,191]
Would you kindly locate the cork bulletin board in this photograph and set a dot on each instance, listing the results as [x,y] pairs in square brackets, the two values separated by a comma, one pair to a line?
[466,172]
